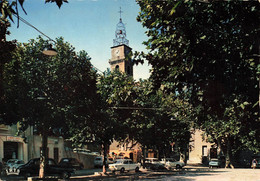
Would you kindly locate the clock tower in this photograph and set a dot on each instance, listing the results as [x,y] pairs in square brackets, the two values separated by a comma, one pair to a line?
[121,52]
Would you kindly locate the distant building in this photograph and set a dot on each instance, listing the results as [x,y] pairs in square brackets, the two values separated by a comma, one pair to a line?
[199,149]
[12,146]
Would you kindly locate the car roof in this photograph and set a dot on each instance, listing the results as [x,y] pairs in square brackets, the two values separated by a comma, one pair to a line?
[123,159]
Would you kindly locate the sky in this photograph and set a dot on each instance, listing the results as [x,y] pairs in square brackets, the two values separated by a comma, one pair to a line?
[87,25]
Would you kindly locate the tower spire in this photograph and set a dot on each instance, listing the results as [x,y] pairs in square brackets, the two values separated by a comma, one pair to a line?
[120,11]
[120,34]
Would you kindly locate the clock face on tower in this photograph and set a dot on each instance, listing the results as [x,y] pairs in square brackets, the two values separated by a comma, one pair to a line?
[117,52]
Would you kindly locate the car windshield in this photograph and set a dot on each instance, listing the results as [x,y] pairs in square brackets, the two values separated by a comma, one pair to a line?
[169,160]
[151,160]
[20,162]
[65,160]
[11,161]
[51,162]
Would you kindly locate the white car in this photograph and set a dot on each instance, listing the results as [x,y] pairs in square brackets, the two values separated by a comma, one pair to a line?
[12,166]
[214,162]
[123,165]
[172,163]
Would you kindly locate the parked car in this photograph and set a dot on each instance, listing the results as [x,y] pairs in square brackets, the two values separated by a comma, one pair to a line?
[98,161]
[95,153]
[32,168]
[214,162]
[71,163]
[12,165]
[153,164]
[123,165]
[81,150]
[172,163]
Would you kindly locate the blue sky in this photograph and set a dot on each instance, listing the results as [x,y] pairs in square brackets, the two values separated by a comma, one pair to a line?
[87,24]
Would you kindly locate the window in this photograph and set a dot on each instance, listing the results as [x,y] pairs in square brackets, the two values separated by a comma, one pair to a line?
[204,151]
[56,154]
[51,162]
[117,68]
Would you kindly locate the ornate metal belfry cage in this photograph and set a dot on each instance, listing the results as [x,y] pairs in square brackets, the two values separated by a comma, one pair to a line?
[120,33]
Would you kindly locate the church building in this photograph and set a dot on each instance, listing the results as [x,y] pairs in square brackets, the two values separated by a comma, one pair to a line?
[121,61]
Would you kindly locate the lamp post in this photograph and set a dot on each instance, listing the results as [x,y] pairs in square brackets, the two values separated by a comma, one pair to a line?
[49,51]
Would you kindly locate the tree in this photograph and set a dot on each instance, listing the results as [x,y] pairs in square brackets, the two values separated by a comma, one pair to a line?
[8,8]
[106,123]
[41,91]
[162,120]
[207,48]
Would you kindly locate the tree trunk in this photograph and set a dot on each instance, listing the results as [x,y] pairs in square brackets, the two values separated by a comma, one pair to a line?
[183,155]
[43,156]
[219,149]
[104,146]
[228,155]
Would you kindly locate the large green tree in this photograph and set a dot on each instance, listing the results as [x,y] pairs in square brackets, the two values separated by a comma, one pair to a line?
[44,91]
[208,49]
[161,120]
[8,9]
[108,121]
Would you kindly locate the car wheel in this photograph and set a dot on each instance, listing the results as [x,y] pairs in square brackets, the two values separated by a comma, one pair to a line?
[137,169]
[65,175]
[178,167]
[122,170]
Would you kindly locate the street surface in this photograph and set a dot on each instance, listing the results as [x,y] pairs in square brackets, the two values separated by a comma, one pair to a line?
[188,173]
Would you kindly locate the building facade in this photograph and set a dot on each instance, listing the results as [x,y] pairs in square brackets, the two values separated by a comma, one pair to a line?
[200,151]
[12,146]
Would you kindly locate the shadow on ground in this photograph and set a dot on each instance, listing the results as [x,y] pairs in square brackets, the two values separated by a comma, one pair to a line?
[151,175]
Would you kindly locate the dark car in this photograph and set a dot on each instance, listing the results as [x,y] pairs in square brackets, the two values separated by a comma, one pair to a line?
[71,163]
[32,168]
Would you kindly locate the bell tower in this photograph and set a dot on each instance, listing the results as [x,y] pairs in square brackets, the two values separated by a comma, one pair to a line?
[121,52]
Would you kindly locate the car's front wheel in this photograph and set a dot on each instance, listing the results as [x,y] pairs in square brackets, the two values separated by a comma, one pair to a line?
[178,167]
[122,170]
[137,169]
[65,175]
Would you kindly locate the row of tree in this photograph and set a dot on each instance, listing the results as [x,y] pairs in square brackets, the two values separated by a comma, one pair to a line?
[209,52]
[203,74]
[65,92]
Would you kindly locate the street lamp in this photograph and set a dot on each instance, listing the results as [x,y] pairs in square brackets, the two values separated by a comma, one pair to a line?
[49,51]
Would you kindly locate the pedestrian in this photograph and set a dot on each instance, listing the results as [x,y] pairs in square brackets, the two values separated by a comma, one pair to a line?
[254,163]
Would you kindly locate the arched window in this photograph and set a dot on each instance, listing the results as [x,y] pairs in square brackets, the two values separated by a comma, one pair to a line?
[117,68]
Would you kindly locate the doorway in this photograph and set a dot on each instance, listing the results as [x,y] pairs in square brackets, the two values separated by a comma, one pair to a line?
[10,150]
